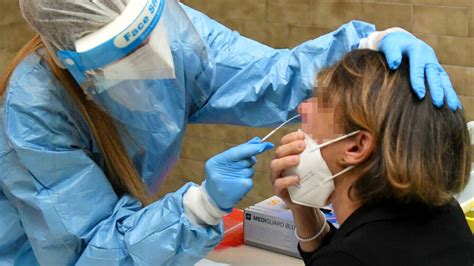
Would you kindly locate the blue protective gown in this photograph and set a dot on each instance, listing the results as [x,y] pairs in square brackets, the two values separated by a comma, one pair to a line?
[57,206]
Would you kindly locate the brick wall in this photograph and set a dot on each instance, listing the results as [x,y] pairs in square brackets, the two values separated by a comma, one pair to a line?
[14,31]
[447,25]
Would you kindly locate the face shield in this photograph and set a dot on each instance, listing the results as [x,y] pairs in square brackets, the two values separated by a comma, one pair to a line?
[128,66]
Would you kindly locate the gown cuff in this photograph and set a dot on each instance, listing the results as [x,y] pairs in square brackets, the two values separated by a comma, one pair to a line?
[200,209]
[372,41]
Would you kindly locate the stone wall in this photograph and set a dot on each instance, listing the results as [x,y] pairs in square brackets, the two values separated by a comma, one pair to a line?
[14,32]
[447,25]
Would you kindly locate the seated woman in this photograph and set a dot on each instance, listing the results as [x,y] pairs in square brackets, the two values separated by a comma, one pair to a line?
[390,177]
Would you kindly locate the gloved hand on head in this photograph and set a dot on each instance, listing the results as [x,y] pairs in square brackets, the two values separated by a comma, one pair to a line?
[423,65]
[396,43]
[229,174]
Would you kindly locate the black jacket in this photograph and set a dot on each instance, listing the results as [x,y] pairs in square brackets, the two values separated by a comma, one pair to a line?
[398,234]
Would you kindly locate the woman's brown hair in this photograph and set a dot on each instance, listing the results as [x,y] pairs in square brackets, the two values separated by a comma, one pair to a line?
[421,154]
[119,169]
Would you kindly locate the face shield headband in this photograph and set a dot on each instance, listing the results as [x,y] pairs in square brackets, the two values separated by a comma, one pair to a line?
[115,41]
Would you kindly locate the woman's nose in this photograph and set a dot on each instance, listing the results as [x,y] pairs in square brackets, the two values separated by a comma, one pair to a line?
[303,108]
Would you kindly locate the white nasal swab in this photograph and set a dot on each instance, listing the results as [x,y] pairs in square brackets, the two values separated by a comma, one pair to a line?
[280,126]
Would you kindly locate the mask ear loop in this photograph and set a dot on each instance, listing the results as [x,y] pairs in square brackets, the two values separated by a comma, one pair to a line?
[338,139]
[347,169]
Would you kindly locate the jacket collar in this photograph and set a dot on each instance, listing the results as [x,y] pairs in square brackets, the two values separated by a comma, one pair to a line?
[383,211]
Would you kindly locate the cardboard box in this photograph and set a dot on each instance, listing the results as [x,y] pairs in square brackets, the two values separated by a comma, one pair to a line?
[269,225]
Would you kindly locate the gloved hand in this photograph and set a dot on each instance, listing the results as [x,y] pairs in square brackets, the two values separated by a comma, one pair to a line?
[229,174]
[423,63]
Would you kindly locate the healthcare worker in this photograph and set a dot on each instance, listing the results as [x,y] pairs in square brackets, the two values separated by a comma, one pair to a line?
[92,124]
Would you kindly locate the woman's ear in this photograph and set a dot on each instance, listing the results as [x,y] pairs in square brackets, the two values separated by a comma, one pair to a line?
[358,148]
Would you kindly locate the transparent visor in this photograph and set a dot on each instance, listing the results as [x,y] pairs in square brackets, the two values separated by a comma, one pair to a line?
[150,61]
[134,82]
[135,70]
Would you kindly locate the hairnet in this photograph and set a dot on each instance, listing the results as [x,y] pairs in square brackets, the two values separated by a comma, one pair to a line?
[62,22]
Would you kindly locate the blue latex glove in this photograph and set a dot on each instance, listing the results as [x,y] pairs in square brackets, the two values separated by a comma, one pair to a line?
[229,174]
[423,63]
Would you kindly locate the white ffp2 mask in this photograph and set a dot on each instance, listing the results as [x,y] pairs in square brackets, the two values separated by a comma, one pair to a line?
[316,180]
[151,61]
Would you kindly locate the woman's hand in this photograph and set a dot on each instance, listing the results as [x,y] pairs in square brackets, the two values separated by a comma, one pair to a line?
[287,156]
[308,221]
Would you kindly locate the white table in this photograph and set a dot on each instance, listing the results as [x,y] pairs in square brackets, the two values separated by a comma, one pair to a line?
[247,255]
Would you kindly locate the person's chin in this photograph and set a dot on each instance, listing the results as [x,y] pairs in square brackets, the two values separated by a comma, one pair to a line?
[306,128]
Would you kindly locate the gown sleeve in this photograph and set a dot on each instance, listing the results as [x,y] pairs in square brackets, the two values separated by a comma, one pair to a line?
[68,209]
[255,85]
